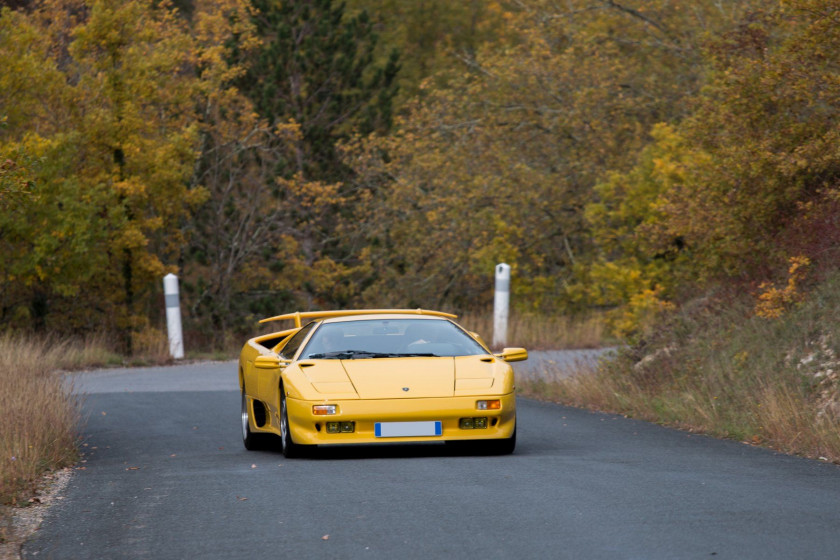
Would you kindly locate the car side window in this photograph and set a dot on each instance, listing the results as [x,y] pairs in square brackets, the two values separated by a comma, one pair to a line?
[290,348]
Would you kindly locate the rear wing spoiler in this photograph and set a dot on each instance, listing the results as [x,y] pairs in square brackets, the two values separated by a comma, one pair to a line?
[298,316]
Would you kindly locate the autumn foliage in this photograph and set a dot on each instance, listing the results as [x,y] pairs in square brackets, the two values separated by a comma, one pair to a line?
[621,156]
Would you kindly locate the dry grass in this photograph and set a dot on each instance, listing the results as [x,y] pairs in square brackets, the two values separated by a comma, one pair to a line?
[93,352]
[38,413]
[151,347]
[778,416]
[792,425]
[717,369]
[541,332]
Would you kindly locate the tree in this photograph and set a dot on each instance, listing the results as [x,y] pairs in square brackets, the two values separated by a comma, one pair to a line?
[746,186]
[112,123]
[47,234]
[500,163]
[433,36]
[268,234]
[315,68]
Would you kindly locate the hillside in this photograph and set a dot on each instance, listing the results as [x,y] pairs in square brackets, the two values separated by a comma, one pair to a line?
[715,367]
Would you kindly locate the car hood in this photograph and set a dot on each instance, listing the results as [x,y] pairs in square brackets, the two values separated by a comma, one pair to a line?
[422,377]
[395,378]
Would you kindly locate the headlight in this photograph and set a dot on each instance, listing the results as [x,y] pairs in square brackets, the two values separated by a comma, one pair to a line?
[488,405]
[324,409]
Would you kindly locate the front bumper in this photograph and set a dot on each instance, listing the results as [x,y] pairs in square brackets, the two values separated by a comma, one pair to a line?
[310,429]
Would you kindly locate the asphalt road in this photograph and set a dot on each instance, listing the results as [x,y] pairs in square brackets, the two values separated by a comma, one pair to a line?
[165,476]
[557,364]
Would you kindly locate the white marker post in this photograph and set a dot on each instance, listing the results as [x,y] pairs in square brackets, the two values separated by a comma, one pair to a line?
[173,316]
[501,302]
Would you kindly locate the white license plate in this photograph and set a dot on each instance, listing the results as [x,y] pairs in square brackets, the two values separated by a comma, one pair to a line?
[408,429]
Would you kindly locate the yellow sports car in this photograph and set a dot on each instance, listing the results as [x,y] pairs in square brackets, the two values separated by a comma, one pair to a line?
[375,376]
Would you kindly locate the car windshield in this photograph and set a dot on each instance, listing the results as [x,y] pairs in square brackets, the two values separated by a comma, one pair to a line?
[389,338]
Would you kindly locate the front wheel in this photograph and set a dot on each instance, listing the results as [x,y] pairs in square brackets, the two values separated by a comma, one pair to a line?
[502,446]
[289,448]
[485,446]
[495,446]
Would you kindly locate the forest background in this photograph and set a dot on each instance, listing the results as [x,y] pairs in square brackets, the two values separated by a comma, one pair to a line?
[624,157]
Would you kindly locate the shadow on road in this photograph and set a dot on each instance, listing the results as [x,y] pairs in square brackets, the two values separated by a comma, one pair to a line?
[392,451]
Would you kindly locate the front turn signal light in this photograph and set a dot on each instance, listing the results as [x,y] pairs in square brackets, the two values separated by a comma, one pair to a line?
[324,409]
[488,405]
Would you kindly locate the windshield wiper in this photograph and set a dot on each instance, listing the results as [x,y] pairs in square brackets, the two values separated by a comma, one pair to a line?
[361,354]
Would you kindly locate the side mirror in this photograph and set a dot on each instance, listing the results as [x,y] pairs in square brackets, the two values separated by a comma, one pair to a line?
[269,362]
[513,354]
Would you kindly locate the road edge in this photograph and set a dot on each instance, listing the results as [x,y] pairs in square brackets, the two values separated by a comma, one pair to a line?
[21,522]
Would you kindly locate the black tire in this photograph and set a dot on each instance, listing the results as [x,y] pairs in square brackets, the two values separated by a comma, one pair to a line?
[251,441]
[502,446]
[289,448]
[494,446]
[485,447]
